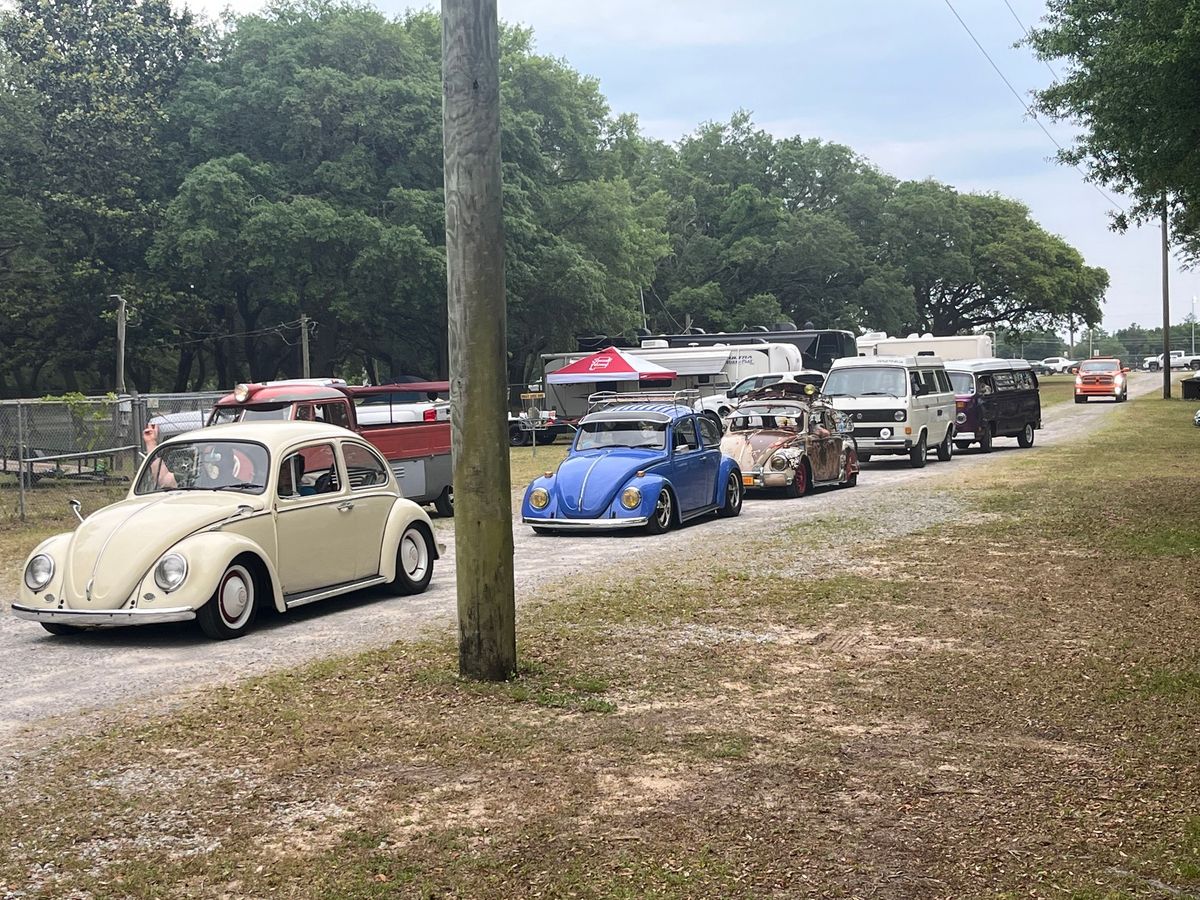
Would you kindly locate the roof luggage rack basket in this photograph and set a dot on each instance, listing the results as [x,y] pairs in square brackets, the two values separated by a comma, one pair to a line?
[685,398]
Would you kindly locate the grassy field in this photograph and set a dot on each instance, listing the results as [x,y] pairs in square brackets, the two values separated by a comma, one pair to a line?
[1005,706]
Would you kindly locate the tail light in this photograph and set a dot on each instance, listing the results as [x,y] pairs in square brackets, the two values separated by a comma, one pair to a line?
[430,415]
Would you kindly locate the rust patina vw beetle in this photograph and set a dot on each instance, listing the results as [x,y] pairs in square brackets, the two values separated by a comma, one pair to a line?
[784,437]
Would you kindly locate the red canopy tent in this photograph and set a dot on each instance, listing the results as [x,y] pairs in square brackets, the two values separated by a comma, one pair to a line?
[609,365]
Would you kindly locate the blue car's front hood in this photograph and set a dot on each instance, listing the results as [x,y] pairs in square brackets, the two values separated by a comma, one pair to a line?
[587,482]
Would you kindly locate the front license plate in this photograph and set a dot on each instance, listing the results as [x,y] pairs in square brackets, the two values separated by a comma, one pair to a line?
[748,479]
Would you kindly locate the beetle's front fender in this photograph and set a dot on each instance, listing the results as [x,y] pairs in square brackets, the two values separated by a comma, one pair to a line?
[208,555]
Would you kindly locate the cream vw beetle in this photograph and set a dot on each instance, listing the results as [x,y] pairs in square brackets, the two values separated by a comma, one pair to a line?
[224,521]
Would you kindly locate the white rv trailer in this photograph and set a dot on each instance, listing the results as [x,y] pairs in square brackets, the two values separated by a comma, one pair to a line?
[708,369]
[957,346]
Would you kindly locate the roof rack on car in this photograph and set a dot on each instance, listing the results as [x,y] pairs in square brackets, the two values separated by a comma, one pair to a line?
[683,398]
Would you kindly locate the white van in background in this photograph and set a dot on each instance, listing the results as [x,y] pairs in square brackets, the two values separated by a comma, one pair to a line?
[899,405]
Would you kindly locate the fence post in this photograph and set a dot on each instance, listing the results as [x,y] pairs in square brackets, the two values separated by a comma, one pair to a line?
[21,461]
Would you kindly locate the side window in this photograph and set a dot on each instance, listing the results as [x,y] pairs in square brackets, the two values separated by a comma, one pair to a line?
[985,385]
[710,431]
[943,381]
[1025,381]
[685,435]
[308,471]
[915,383]
[304,412]
[334,413]
[363,468]
[1005,381]
[929,382]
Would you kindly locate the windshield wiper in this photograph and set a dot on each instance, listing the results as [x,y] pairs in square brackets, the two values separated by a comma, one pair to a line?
[238,487]
[879,394]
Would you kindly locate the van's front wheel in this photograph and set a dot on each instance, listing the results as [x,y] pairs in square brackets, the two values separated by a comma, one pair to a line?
[1025,438]
[916,456]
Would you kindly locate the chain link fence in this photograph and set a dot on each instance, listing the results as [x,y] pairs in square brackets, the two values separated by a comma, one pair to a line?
[85,448]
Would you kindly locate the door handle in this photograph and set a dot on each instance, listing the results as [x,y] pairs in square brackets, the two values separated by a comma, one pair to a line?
[345,506]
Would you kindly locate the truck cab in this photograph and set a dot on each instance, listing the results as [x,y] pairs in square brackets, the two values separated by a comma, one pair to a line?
[413,437]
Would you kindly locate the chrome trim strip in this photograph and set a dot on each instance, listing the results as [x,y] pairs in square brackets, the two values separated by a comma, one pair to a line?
[306,597]
[107,618]
[587,524]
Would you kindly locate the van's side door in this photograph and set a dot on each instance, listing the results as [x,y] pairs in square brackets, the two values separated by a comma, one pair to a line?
[1008,404]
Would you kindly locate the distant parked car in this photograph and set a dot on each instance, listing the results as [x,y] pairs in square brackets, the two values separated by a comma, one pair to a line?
[639,460]
[1196,419]
[724,404]
[172,424]
[1038,368]
[1059,365]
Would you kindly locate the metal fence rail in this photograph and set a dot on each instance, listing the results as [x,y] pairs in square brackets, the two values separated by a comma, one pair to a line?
[53,450]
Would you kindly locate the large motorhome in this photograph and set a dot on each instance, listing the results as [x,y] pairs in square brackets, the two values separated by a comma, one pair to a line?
[706,369]
[958,346]
[819,347]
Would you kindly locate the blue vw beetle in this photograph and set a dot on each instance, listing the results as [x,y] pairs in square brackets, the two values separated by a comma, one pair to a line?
[636,463]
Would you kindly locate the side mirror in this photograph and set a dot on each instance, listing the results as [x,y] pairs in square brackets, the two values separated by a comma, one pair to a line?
[76,506]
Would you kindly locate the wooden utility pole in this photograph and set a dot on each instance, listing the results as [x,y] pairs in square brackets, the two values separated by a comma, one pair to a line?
[487,643]
[120,342]
[304,344]
[1166,297]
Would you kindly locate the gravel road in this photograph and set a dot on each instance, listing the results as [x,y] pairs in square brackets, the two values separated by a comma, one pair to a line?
[52,682]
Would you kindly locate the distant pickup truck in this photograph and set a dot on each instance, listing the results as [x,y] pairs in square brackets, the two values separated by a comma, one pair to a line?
[414,437]
[1179,360]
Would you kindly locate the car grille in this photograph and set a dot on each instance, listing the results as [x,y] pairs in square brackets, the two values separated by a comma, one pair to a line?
[872,415]
[1097,379]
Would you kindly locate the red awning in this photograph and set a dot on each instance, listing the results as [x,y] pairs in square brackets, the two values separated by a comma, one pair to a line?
[609,365]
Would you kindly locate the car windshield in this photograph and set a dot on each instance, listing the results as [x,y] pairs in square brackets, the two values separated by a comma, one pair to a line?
[866,381]
[964,382]
[1098,365]
[267,412]
[753,417]
[623,433]
[205,465]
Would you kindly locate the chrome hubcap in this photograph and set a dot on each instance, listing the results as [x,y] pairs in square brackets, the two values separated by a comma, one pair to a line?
[414,555]
[236,596]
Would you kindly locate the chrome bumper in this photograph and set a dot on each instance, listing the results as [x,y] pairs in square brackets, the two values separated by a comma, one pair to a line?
[880,445]
[587,524]
[105,618]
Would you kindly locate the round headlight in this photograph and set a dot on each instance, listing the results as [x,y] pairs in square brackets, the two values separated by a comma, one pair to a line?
[631,498]
[778,463]
[38,572]
[170,572]
[899,416]
[539,498]
[961,418]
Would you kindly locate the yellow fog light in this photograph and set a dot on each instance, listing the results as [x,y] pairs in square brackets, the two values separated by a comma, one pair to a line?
[631,498]
[539,498]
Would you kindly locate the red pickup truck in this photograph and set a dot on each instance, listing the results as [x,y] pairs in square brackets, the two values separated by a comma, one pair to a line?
[407,423]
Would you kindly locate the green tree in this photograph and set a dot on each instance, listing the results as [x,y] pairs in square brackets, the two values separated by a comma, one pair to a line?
[1130,81]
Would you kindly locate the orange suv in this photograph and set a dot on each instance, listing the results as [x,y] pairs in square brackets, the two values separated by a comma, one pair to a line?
[1101,376]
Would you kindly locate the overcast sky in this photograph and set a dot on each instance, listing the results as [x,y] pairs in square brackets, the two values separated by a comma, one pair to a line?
[900,81]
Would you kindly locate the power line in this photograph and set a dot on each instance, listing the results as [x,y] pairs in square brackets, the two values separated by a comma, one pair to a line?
[1028,109]
[1029,34]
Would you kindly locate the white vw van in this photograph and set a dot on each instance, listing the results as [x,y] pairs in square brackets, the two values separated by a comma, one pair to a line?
[899,405]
